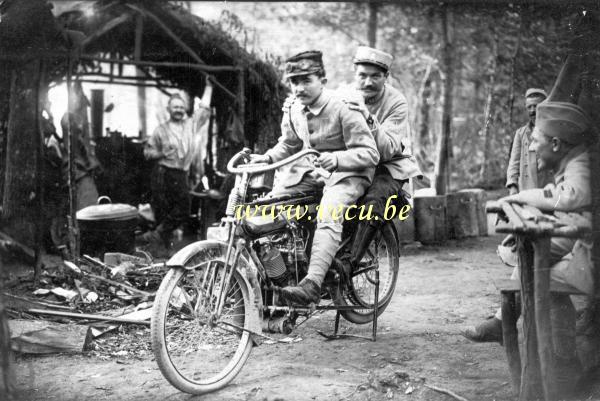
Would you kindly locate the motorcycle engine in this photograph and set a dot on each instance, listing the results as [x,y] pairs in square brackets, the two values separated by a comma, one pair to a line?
[284,257]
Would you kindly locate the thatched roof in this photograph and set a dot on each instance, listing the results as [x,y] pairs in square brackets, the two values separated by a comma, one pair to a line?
[28,30]
[263,90]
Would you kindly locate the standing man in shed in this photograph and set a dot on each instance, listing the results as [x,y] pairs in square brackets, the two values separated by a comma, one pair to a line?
[386,111]
[173,146]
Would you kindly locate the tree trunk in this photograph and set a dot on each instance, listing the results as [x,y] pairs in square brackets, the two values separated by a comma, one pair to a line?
[513,65]
[441,169]
[489,111]
[372,24]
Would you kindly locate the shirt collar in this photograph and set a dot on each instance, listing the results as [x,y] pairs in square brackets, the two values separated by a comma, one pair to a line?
[319,104]
[573,153]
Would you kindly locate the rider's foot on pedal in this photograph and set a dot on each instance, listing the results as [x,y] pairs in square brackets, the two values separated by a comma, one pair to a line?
[305,293]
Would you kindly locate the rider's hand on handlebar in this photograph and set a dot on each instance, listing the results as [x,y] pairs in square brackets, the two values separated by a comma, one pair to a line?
[328,161]
[257,159]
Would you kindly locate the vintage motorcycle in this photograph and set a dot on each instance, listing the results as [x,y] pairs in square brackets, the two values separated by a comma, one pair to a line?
[217,300]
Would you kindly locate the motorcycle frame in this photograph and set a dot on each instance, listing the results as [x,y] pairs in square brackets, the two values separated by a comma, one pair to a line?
[238,246]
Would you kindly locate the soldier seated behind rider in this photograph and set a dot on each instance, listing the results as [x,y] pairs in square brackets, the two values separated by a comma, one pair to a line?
[386,111]
[317,119]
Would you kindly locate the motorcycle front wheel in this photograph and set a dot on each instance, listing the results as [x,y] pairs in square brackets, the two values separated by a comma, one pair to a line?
[197,350]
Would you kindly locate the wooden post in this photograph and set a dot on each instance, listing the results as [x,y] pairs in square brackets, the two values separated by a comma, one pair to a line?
[71,181]
[442,174]
[530,377]
[40,225]
[541,279]
[97,113]
[510,337]
[141,91]
[241,97]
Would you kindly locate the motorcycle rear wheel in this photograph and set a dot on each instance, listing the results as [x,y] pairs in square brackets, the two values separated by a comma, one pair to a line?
[382,253]
[196,351]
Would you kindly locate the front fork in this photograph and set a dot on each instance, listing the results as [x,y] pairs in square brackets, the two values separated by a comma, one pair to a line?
[229,267]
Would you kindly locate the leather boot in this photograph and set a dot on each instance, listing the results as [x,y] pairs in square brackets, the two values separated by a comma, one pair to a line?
[305,293]
[489,331]
[364,235]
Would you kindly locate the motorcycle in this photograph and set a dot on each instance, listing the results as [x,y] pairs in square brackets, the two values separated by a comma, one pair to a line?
[217,300]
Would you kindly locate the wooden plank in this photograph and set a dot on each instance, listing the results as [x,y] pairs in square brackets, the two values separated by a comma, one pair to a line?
[110,25]
[23,303]
[169,64]
[559,288]
[541,277]
[87,316]
[183,45]
[530,226]
[513,217]
[118,284]
[493,207]
[43,337]
[510,338]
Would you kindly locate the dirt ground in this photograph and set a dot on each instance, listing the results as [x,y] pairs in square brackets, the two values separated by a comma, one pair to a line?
[440,291]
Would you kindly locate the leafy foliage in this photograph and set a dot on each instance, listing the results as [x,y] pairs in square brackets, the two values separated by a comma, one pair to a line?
[498,51]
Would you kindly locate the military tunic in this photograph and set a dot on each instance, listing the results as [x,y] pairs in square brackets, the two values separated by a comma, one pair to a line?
[328,125]
[570,192]
[522,166]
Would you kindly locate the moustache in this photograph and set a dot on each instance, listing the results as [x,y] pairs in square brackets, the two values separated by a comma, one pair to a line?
[368,88]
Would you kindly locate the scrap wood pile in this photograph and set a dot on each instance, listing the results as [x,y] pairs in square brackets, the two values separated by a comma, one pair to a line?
[76,306]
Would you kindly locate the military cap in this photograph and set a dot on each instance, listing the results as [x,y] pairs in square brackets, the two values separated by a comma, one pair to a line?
[535,92]
[565,121]
[369,55]
[305,63]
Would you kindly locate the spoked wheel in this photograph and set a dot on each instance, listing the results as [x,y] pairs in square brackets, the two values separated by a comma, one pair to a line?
[197,349]
[382,253]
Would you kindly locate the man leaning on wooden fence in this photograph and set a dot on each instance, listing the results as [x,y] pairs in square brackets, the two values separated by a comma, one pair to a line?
[561,139]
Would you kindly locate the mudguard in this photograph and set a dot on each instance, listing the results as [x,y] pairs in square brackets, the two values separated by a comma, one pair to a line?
[394,231]
[211,249]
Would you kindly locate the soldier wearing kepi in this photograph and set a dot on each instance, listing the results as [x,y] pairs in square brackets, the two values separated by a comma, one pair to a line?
[522,172]
[561,139]
[317,119]
[386,112]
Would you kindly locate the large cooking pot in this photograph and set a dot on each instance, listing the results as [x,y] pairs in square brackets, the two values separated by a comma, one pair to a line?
[107,227]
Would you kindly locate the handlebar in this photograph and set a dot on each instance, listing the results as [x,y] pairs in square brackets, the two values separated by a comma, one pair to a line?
[261,168]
